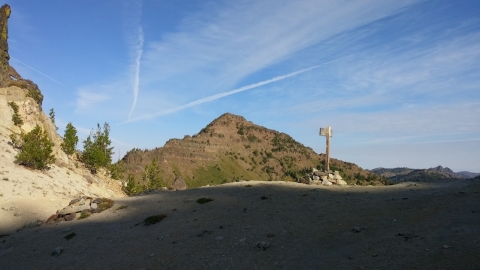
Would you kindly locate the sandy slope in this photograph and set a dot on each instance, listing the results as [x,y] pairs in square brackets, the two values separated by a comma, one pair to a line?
[407,226]
[27,195]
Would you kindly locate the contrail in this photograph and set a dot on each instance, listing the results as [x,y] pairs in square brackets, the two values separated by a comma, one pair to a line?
[137,50]
[37,71]
[221,95]
[136,79]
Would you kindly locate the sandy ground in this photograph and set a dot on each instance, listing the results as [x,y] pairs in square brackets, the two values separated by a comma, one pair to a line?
[27,195]
[266,225]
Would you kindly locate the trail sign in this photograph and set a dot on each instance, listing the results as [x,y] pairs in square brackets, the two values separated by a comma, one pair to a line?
[327,132]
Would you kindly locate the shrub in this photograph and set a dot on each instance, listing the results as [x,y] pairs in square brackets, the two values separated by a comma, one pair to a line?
[104,205]
[117,170]
[153,219]
[204,200]
[17,120]
[35,150]
[70,139]
[132,187]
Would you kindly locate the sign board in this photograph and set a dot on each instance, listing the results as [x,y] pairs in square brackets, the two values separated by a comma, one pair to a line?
[325,131]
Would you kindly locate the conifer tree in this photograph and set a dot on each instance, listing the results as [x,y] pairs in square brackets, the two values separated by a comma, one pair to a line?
[96,149]
[70,139]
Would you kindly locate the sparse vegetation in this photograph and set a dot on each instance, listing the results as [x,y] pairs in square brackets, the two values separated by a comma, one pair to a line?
[17,120]
[35,150]
[204,200]
[32,89]
[104,205]
[153,219]
[70,235]
[85,214]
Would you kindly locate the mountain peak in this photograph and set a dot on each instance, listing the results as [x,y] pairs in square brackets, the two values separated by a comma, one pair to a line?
[441,169]
[231,148]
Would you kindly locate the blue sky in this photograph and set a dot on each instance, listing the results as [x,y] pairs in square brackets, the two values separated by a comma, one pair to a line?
[398,81]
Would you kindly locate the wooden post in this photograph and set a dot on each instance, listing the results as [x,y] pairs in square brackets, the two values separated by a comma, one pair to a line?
[327,132]
[328,151]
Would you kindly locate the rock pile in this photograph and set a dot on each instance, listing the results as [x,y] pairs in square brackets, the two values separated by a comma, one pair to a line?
[85,206]
[317,177]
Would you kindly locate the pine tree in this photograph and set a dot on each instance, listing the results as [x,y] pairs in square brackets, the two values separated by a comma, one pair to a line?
[70,139]
[52,117]
[35,150]
[96,149]
[151,175]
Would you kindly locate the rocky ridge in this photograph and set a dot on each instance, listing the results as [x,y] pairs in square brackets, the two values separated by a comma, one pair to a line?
[421,175]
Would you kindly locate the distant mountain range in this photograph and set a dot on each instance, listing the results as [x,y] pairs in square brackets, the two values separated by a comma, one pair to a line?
[422,175]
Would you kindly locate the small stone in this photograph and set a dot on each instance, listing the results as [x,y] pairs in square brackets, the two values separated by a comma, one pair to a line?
[446,246]
[356,229]
[263,245]
[66,230]
[70,217]
[94,206]
[57,251]
[219,238]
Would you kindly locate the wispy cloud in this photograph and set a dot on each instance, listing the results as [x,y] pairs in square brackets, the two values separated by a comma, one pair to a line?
[86,100]
[218,51]
[36,70]
[221,95]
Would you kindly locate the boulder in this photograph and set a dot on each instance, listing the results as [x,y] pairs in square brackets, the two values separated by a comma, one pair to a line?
[178,184]
[316,178]
[74,209]
[341,183]
[74,201]
[326,182]
[70,217]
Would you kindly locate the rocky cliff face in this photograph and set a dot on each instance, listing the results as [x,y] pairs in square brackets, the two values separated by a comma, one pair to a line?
[31,113]
[8,75]
[24,93]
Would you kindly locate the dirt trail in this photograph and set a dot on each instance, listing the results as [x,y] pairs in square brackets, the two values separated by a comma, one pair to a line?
[267,225]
